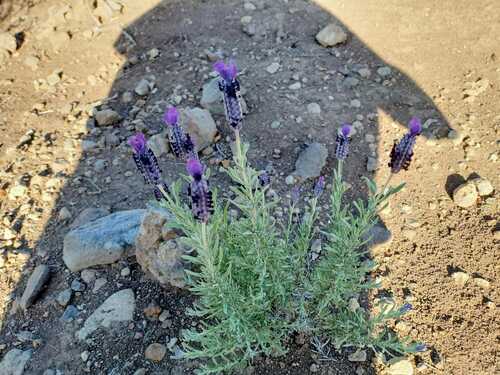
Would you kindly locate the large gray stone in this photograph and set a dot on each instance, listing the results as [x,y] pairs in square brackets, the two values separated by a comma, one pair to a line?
[89,214]
[14,362]
[159,252]
[200,125]
[117,308]
[35,284]
[311,161]
[102,241]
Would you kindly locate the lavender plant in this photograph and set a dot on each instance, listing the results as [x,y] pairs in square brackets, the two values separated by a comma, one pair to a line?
[253,276]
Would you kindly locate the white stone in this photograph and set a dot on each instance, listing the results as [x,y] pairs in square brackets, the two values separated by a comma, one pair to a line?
[314,109]
[273,68]
[331,35]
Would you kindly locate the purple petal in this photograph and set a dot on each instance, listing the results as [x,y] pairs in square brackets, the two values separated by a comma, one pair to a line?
[194,168]
[415,126]
[346,130]
[137,142]
[171,116]
[231,71]
[220,67]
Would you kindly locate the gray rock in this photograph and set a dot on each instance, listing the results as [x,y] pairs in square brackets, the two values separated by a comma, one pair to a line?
[8,42]
[70,314]
[107,117]
[117,308]
[102,241]
[314,109]
[200,125]
[311,161]
[384,71]
[88,276]
[159,144]
[212,99]
[14,362]
[35,284]
[331,35]
[88,145]
[483,186]
[143,87]
[371,164]
[295,86]
[273,68]
[64,297]
[77,286]
[158,252]
[365,72]
[465,195]
[64,214]
[88,215]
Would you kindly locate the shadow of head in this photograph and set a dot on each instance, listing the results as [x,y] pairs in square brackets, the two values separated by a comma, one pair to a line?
[353,78]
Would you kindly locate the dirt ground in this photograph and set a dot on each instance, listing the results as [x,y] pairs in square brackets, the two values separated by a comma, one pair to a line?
[74,56]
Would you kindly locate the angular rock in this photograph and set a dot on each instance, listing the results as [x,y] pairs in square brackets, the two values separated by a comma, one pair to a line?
[143,87]
[117,308]
[35,284]
[70,314]
[331,35]
[159,144]
[64,297]
[273,68]
[212,99]
[155,352]
[8,42]
[88,215]
[460,278]
[158,252]
[358,356]
[483,186]
[378,237]
[401,367]
[14,362]
[102,241]
[465,195]
[311,161]
[107,117]
[200,125]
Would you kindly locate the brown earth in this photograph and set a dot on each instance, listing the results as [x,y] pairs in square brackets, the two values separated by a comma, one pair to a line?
[444,68]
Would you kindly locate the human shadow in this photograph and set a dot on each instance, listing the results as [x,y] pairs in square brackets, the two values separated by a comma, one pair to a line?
[173,47]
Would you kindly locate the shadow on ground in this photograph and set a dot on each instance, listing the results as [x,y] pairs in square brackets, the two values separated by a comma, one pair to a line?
[343,80]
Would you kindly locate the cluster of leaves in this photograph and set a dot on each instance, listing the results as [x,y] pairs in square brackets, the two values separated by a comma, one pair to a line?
[255,282]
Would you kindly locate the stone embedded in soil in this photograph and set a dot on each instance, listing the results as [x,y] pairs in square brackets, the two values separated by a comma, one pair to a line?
[465,195]
[158,143]
[8,42]
[314,109]
[117,308]
[70,313]
[483,186]
[64,214]
[155,352]
[158,252]
[14,362]
[311,161]
[64,297]
[143,87]
[371,164]
[331,35]
[378,237]
[401,367]
[107,117]
[35,284]
[200,125]
[357,356]
[273,68]
[384,71]
[103,241]
[460,278]
[482,283]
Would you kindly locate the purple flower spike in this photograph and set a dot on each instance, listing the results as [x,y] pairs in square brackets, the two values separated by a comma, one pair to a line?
[319,187]
[405,308]
[228,72]
[230,88]
[195,169]
[402,151]
[264,179]
[147,164]
[201,196]
[219,67]
[138,143]
[342,142]
[171,117]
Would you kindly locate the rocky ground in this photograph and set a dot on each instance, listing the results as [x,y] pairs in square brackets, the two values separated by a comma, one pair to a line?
[78,78]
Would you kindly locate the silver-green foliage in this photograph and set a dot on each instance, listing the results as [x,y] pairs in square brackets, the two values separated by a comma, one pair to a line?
[255,285]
